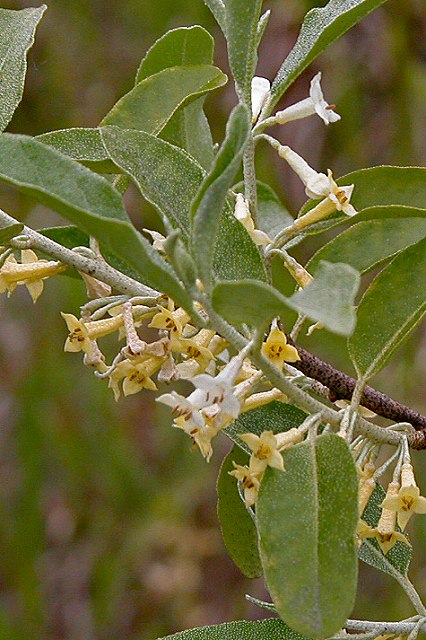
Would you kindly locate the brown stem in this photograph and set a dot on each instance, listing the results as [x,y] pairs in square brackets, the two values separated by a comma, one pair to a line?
[341,387]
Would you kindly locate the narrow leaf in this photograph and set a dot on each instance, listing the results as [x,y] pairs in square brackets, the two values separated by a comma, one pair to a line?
[87,200]
[151,103]
[242,20]
[385,185]
[169,178]
[238,529]
[368,243]
[17,29]
[262,24]
[218,10]
[332,306]
[390,309]
[269,629]
[68,236]
[188,128]
[320,28]
[329,298]
[182,46]
[210,199]
[307,516]
[84,145]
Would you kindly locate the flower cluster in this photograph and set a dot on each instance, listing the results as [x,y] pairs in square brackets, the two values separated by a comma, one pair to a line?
[223,386]
[266,451]
[402,500]
[30,272]
[317,185]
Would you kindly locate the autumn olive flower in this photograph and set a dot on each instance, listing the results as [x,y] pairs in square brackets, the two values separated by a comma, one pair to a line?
[315,104]
[408,499]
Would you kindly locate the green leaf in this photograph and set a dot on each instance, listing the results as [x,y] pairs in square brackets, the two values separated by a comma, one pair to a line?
[241,19]
[17,29]
[87,200]
[390,309]
[7,233]
[169,178]
[272,216]
[275,416]
[182,46]
[261,26]
[399,557]
[307,518]
[238,529]
[166,176]
[210,199]
[68,236]
[269,629]
[188,128]
[320,28]
[84,145]
[329,298]
[385,185]
[332,306]
[368,243]
[151,103]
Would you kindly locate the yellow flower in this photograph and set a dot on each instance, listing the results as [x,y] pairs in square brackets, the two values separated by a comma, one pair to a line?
[172,321]
[265,451]
[408,500]
[385,533]
[31,273]
[135,375]
[81,334]
[78,338]
[367,485]
[250,482]
[194,351]
[276,349]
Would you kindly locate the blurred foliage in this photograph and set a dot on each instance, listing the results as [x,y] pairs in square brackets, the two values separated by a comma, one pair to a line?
[108,524]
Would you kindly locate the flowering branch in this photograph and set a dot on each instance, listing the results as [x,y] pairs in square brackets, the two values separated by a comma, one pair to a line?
[97,268]
[341,387]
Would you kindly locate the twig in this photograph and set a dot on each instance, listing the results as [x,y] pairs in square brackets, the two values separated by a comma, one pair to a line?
[341,387]
[98,269]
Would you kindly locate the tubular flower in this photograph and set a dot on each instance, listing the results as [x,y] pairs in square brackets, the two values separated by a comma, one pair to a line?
[172,321]
[210,407]
[408,500]
[31,273]
[135,374]
[318,185]
[201,436]
[367,485]
[250,482]
[260,88]
[309,106]
[385,532]
[78,338]
[243,215]
[194,350]
[265,451]
[276,349]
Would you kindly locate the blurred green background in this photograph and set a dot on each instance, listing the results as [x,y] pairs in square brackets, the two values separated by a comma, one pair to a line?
[108,526]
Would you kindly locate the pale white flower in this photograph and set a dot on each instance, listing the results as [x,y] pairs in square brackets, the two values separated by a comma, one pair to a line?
[243,215]
[315,104]
[260,90]
[319,185]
